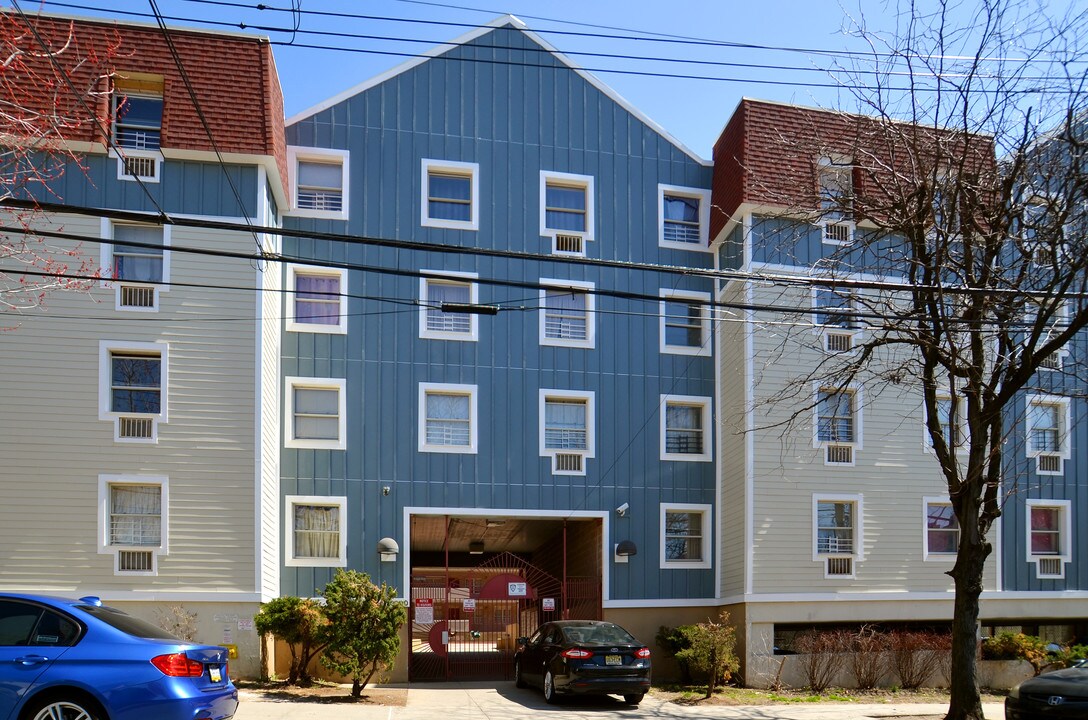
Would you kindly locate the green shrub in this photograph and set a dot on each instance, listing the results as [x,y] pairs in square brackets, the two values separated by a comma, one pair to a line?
[712,650]
[299,622]
[1017,646]
[674,641]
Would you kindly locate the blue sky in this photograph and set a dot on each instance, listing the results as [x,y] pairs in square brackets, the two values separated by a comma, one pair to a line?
[692,110]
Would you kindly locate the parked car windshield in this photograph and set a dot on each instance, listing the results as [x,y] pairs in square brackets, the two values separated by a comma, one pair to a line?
[128,624]
[607,634]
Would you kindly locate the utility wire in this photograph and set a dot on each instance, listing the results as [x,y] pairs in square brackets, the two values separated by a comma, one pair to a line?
[203,118]
[943,77]
[83,103]
[810,280]
[438,275]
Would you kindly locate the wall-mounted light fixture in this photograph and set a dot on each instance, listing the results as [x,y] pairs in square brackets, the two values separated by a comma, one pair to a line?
[388,549]
[624,550]
[476,547]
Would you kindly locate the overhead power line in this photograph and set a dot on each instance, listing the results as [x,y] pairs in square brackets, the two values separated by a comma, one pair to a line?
[849,73]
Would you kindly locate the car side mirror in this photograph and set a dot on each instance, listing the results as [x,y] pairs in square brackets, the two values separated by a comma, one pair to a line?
[523,641]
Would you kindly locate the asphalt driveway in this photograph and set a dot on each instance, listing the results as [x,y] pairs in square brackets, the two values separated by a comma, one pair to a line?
[502,701]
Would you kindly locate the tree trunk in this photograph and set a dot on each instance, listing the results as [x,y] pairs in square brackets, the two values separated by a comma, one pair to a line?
[356,688]
[965,700]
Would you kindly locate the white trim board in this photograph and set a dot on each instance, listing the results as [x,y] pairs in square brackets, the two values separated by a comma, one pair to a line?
[501,21]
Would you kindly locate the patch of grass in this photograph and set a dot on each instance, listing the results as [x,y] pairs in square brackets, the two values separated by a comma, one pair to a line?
[696,695]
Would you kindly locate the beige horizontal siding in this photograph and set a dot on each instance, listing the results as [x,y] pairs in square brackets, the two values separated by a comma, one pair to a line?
[54,446]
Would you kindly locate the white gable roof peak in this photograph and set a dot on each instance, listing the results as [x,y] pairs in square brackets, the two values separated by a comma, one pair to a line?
[501,21]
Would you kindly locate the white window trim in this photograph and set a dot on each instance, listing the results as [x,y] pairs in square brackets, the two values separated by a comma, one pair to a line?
[155,155]
[705,562]
[473,417]
[857,444]
[926,554]
[822,331]
[1060,319]
[703,196]
[472,171]
[839,163]
[104,547]
[859,531]
[293,324]
[591,434]
[1066,510]
[704,349]
[1065,450]
[105,349]
[584,181]
[296,153]
[289,524]
[106,263]
[591,315]
[289,440]
[703,403]
[473,335]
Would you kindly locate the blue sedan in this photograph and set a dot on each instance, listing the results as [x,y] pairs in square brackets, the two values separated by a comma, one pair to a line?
[63,659]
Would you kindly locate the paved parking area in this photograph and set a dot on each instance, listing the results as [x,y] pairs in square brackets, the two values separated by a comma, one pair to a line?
[488,701]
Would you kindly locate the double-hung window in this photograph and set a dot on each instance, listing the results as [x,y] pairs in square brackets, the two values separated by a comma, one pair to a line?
[685,536]
[566,429]
[837,533]
[942,530]
[685,428]
[566,211]
[837,425]
[138,262]
[836,318]
[949,420]
[132,381]
[450,291]
[684,323]
[319,181]
[137,111]
[1049,536]
[317,300]
[566,315]
[316,535]
[450,195]
[683,217]
[133,521]
[447,415]
[1048,433]
[315,411]
[836,194]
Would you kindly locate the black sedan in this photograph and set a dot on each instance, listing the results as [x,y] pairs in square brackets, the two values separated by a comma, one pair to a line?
[583,657]
[1060,694]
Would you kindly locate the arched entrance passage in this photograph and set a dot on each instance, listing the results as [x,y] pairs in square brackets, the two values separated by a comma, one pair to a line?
[468,612]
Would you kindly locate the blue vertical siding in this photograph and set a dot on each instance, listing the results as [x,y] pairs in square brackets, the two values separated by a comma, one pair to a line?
[513,121]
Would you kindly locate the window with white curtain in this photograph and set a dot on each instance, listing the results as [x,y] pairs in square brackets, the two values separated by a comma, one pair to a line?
[447,418]
[138,263]
[565,425]
[135,515]
[438,324]
[319,182]
[316,531]
[685,536]
[566,315]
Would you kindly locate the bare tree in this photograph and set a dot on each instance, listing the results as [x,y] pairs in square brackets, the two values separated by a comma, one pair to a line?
[961,187]
[53,104]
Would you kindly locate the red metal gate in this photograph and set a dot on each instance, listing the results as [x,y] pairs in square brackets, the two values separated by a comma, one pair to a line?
[466,621]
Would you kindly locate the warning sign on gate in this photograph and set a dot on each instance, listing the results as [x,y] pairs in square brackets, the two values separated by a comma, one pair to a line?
[549,604]
[424,610]
[469,605]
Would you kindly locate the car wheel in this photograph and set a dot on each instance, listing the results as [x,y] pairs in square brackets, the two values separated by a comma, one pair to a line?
[64,709]
[519,681]
[549,688]
[633,699]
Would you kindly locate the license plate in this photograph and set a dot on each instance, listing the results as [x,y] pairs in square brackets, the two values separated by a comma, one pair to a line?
[613,660]
[216,674]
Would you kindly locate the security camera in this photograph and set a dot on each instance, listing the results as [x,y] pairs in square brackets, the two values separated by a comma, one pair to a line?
[622,509]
